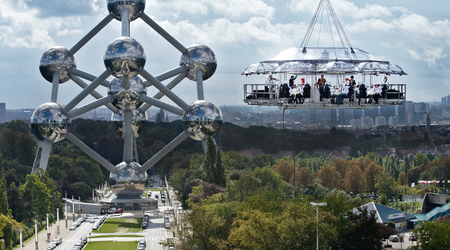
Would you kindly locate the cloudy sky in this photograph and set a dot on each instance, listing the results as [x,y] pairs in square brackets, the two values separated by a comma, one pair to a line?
[413,34]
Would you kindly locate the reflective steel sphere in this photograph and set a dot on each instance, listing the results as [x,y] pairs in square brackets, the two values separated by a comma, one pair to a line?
[127,181]
[202,119]
[199,57]
[56,59]
[124,57]
[49,122]
[137,123]
[135,8]
[127,98]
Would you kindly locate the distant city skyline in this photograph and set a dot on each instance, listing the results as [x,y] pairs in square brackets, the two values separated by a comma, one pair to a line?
[411,33]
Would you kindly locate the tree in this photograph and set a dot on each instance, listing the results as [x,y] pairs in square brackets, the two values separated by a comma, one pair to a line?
[207,229]
[4,222]
[362,231]
[353,150]
[354,180]
[433,235]
[220,171]
[35,196]
[303,176]
[402,180]
[294,227]
[329,176]
[268,176]
[15,202]
[285,168]
[4,208]
[209,164]
[420,159]
[385,184]
[241,189]
[371,171]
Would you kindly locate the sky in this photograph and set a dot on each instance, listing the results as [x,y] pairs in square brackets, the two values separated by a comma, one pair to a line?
[413,34]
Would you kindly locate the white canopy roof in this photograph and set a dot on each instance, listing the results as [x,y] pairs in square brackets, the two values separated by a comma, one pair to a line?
[324,60]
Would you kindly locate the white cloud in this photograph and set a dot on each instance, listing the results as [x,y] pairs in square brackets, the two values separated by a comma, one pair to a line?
[21,27]
[238,9]
[230,9]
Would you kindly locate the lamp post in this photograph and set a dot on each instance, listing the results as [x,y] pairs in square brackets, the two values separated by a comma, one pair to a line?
[65,211]
[48,230]
[57,218]
[79,204]
[73,209]
[20,231]
[317,205]
[35,235]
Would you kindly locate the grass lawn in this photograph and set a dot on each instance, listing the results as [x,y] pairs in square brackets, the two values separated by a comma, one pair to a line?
[115,235]
[117,225]
[108,245]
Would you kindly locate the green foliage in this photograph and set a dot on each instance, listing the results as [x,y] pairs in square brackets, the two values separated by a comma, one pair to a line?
[421,159]
[209,167]
[385,184]
[268,176]
[220,171]
[433,235]
[241,189]
[108,245]
[362,232]
[4,207]
[35,196]
[116,225]
[4,221]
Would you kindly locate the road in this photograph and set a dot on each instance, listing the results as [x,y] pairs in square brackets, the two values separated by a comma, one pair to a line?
[153,234]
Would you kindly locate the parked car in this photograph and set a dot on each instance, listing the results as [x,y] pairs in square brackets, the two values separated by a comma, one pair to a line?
[144,225]
[111,210]
[73,226]
[143,242]
[412,237]
[84,239]
[119,210]
[167,225]
[393,238]
[57,241]
[163,200]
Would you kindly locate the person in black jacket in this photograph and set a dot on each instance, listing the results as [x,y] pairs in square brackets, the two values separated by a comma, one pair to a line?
[291,81]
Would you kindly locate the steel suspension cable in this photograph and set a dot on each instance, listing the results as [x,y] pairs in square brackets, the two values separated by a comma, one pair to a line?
[311,26]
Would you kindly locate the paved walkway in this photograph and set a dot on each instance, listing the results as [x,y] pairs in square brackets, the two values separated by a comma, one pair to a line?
[42,235]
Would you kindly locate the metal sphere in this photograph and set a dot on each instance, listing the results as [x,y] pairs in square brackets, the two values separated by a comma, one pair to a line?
[124,57]
[137,123]
[203,119]
[199,57]
[135,8]
[127,99]
[57,59]
[50,123]
[127,181]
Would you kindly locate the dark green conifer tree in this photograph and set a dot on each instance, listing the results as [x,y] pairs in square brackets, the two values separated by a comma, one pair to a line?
[220,171]
[4,207]
[209,164]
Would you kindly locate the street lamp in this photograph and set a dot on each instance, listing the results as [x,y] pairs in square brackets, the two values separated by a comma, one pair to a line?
[48,230]
[57,218]
[317,205]
[35,235]
[20,231]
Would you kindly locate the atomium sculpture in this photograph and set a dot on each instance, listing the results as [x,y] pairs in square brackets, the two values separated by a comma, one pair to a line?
[126,97]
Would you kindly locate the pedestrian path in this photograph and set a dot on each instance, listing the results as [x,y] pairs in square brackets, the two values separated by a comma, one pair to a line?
[42,235]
